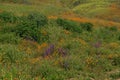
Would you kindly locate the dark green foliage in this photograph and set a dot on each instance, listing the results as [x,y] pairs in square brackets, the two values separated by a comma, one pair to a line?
[115,76]
[116,61]
[69,25]
[87,26]
[27,30]
[113,28]
[78,2]
[8,17]
[39,19]
[30,27]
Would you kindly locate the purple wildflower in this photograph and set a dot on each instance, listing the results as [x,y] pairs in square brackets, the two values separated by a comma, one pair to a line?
[49,50]
[62,52]
[97,44]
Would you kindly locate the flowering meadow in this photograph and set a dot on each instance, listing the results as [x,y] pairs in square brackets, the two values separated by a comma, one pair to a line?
[37,45]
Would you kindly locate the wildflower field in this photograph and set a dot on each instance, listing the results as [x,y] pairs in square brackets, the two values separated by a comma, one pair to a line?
[59,40]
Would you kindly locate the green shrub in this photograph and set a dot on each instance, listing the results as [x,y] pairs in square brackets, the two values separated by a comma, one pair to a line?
[113,28]
[30,27]
[28,30]
[78,2]
[86,26]
[8,17]
[116,61]
[69,25]
[39,19]
[115,76]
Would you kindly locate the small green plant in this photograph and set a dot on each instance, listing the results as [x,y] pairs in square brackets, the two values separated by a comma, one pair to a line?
[87,26]
[69,25]
[28,30]
[115,76]
[116,61]
[39,19]
[113,28]
[10,38]
[8,17]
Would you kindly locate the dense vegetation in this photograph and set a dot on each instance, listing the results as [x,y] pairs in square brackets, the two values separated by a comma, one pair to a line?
[36,46]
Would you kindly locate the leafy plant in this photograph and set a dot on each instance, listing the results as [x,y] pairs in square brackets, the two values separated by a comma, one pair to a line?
[116,61]
[30,27]
[39,19]
[8,17]
[113,28]
[115,75]
[69,25]
[86,26]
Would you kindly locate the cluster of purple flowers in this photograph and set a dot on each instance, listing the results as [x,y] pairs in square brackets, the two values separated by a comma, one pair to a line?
[49,50]
[97,44]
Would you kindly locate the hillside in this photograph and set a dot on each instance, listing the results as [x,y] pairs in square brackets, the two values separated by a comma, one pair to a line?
[59,40]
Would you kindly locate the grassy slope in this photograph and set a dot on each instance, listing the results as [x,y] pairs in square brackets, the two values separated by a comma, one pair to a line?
[29,64]
[48,9]
[92,7]
[101,9]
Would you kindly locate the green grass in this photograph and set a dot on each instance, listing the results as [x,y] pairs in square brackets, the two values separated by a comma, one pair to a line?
[20,9]
[65,55]
[92,8]
[83,60]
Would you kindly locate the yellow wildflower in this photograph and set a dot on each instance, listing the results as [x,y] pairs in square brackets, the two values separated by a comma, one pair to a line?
[40,47]
[91,61]
[82,41]
[36,78]
[61,40]
[16,79]
[44,32]
[28,51]
[66,32]
[110,56]
[34,60]
[44,45]
[113,45]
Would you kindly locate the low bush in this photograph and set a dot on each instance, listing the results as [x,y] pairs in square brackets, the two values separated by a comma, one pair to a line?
[39,19]
[8,17]
[115,76]
[69,25]
[113,28]
[30,27]
[87,26]
[116,61]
